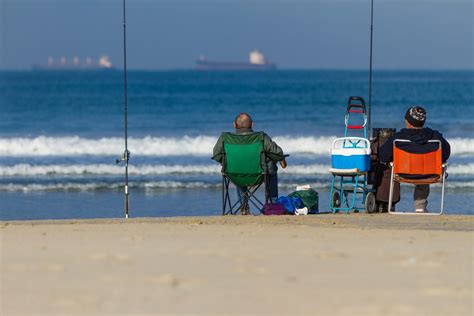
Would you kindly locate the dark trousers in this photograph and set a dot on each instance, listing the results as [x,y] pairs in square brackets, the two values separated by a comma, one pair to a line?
[273,188]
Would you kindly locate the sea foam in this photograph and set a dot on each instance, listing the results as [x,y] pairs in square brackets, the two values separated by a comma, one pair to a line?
[29,170]
[174,185]
[169,146]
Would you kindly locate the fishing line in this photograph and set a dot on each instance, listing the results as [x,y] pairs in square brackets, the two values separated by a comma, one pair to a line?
[370,68]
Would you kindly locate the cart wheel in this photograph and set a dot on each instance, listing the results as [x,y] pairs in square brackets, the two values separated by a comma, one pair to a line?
[336,199]
[370,203]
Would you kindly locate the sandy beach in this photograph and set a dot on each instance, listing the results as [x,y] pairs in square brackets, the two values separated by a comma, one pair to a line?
[315,265]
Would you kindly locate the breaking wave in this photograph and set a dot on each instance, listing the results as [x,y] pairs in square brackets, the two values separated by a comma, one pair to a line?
[168,146]
[29,170]
[104,169]
[169,185]
[98,186]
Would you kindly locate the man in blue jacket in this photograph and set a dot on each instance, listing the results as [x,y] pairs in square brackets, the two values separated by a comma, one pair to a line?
[415,119]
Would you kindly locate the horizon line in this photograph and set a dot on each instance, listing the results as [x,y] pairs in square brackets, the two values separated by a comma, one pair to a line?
[273,70]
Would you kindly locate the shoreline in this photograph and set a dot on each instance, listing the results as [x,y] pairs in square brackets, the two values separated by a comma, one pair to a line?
[360,220]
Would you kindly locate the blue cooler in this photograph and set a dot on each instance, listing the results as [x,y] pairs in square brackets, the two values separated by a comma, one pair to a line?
[351,153]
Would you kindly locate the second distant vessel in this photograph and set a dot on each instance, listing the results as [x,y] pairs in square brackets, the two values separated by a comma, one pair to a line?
[256,61]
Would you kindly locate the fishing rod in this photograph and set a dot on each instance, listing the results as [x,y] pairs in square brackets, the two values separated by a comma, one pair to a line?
[370,68]
[126,154]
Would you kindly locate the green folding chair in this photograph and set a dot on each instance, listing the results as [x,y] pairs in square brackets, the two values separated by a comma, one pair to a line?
[243,164]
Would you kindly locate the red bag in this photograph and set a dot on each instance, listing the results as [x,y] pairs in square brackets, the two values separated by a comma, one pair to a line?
[274,209]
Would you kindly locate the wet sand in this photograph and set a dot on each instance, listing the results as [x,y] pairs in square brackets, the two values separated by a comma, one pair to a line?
[285,265]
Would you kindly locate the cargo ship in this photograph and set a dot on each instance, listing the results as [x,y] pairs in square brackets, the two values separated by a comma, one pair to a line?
[256,61]
[102,63]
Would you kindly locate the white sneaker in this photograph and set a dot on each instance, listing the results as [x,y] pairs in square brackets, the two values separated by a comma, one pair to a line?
[420,210]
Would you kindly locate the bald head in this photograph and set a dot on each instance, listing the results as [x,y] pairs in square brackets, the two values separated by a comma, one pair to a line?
[243,121]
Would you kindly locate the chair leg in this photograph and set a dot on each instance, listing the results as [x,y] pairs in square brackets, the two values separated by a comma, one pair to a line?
[244,197]
[223,196]
[241,200]
[255,204]
[253,199]
[390,195]
[266,181]
[442,192]
[226,197]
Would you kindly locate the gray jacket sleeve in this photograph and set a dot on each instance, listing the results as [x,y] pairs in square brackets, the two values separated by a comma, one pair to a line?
[218,151]
[272,150]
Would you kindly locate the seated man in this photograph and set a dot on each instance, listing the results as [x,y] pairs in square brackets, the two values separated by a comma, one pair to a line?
[415,118]
[243,124]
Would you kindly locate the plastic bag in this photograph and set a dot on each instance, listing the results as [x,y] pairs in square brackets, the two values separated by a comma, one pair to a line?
[291,203]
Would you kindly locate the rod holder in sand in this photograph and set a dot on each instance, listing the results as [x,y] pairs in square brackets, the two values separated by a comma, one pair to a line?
[125,157]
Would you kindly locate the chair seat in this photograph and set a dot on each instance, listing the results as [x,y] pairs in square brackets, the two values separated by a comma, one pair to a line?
[428,180]
[346,172]
[245,180]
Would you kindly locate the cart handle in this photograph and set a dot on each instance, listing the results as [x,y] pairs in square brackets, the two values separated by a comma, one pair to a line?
[360,105]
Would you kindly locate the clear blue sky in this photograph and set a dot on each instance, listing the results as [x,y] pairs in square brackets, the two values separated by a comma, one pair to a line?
[170,34]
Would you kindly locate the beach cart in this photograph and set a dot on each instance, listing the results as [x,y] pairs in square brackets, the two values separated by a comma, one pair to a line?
[350,164]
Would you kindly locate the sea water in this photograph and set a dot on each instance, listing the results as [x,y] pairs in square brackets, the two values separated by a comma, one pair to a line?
[61,132]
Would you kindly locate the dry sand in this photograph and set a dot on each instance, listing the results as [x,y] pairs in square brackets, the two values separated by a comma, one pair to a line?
[315,265]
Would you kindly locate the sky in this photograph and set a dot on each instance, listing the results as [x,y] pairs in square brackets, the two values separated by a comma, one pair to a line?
[296,34]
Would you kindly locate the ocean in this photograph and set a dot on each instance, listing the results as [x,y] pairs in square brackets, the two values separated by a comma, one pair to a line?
[61,132]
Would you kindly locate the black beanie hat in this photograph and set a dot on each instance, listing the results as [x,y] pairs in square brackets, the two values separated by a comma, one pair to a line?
[416,116]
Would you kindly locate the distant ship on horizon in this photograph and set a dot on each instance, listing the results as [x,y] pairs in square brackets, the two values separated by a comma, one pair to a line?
[63,64]
[257,61]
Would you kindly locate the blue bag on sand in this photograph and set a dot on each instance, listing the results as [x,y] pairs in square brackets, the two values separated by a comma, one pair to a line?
[287,203]
[290,203]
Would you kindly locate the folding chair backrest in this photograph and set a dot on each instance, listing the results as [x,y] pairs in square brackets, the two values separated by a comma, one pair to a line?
[243,158]
[417,164]
[408,166]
